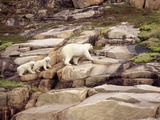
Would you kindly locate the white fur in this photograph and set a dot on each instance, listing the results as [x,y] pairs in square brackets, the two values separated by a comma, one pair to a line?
[42,63]
[27,67]
[76,51]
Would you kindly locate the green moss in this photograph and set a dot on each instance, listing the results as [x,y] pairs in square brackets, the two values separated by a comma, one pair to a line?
[143,36]
[10,84]
[4,45]
[35,89]
[145,57]
[153,44]
[145,28]
[13,38]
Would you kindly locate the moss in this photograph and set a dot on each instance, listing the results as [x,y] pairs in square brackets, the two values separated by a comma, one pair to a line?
[35,89]
[10,84]
[4,45]
[143,36]
[153,44]
[145,57]
[145,28]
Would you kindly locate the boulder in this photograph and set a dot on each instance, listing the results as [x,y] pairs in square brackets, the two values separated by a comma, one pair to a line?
[62,96]
[59,32]
[137,3]
[37,52]
[43,43]
[3,99]
[18,97]
[28,77]
[86,3]
[122,52]
[71,73]
[152,4]
[22,60]
[139,71]
[46,84]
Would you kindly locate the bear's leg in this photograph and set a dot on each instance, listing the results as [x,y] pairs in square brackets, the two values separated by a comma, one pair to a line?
[48,65]
[38,70]
[67,60]
[31,71]
[88,56]
[75,60]
[45,67]
[20,73]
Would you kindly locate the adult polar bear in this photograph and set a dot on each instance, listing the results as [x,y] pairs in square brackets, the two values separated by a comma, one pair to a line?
[27,67]
[42,63]
[76,51]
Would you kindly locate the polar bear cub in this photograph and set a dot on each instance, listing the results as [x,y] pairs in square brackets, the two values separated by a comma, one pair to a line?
[42,63]
[76,51]
[27,67]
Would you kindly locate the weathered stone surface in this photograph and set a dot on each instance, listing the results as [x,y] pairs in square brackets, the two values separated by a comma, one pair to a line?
[122,52]
[29,77]
[70,73]
[18,97]
[60,32]
[152,4]
[87,36]
[43,51]
[86,3]
[46,84]
[137,3]
[107,109]
[24,49]
[3,99]
[8,50]
[22,60]
[63,96]
[139,71]
[48,74]
[31,103]
[46,112]
[44,43]
[122,32]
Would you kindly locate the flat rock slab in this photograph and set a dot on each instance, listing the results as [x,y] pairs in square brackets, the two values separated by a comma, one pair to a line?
[22,60]
[44,43]
[44,51]
[122,52]
[59,32]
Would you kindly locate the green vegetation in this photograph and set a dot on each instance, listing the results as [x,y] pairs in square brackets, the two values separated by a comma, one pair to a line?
[4,45]
[153,44]
[10,84]
[35,89]
[145,57]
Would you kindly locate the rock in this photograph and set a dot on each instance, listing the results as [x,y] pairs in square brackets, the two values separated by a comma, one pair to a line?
[43,51]
[63,96]
[122,52]
[86,3]
[123,32]
[18,97]
[22,60]
[15,54]
[107,109]
[31,103]
[70,73]
[59,32]
[3,99]
[29,77]
[89,36]
[137,3]
[43,43]
[65,15]
[139,71]
[46,112]
[138,81]
[152,4]
[54,58]
[46,84]
[48,74]
[8,50]
[24,49]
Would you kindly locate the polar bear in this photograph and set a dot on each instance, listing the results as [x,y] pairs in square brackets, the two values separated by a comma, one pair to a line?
[76,51]
[27,67]
[42,63]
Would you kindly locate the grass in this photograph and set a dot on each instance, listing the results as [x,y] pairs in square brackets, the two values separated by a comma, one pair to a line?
[10,84]
[4,45]
[35,89]
[145,57]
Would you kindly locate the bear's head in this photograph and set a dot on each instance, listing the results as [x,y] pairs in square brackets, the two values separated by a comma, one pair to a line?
[88,46]
[32,63]
[47,59]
